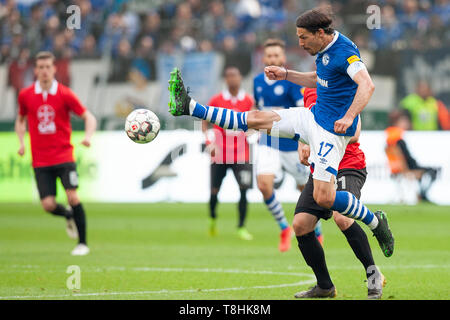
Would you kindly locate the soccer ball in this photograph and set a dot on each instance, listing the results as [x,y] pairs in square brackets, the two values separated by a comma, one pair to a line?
[142,126]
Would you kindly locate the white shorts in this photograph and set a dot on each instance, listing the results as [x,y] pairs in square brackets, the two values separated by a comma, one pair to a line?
[327,149]
[271,161]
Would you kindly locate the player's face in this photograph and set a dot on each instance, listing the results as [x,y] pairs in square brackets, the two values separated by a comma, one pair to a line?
[274,56]
[45,70]
[311,42]
[233,78]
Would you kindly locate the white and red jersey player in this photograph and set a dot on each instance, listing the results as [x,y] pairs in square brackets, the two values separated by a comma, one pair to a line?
[48,115]
[46,105]
[231,146]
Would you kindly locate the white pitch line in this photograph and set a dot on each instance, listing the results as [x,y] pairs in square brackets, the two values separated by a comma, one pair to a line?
[164,291]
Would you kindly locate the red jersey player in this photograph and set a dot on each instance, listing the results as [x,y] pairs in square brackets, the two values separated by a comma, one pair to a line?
[230,150]
[351,177]
[47,106]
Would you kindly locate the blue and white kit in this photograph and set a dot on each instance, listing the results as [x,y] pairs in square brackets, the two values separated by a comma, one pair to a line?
[273,154]
[336,65]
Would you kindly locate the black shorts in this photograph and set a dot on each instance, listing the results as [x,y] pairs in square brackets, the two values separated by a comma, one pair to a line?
[46,178]
[242,172]
[351,180]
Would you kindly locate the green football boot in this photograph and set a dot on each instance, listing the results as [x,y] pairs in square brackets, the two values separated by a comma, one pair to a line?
[243,234]
[178,96]
[384,234]
[212,228]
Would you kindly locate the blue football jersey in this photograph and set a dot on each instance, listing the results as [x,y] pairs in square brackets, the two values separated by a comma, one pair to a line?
[335,88]
[280,94]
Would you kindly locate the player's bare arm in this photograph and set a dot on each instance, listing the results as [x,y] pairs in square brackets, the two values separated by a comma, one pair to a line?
[210,146]
[363,93]
[306,79]
[90,124]
[21,128]
[304,152]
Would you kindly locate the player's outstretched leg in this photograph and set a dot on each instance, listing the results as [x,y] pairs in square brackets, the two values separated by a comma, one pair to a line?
[180,103]
[347,204]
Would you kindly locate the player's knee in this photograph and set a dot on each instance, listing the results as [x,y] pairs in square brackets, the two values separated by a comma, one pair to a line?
[265,188]
[341,221]
[48,204]
[302,226]
[214,191]
[323,197]
[260,120]
[72,197]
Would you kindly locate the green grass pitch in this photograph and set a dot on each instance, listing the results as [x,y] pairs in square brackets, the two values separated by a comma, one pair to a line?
[163,251]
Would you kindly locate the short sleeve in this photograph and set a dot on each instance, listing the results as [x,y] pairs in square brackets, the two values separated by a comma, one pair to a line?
[349,62]
[22,105]
[72,102]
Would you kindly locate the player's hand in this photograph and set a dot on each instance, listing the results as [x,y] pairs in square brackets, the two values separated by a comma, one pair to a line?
[341,125]
[275,73]
[86,142]
[304,155]
[211,149]
[21,151]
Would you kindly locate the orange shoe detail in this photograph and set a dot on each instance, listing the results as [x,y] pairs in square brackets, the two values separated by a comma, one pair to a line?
[285,239]
[320,238]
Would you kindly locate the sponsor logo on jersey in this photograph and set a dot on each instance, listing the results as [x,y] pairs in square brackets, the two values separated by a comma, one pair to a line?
[46,118]
[353,59]
[323,83]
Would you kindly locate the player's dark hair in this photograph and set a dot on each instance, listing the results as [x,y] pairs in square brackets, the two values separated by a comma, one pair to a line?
[274,42]
[314,20]
[44,55]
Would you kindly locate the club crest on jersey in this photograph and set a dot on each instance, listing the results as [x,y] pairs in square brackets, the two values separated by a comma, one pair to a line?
[46,118]
[278,90]
[325,59]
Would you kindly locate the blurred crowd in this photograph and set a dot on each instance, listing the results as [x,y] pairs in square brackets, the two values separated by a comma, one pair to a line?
[200,25]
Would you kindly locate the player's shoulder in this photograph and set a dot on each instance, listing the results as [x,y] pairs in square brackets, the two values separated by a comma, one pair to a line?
[345,46]
[27,90]
[216,97]
[259,77]
[248,98]
[64,89]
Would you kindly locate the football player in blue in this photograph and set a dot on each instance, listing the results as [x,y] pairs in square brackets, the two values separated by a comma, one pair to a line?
[275,154]
[344,88]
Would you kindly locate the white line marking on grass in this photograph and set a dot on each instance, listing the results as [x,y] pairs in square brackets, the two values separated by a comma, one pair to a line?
[164,291]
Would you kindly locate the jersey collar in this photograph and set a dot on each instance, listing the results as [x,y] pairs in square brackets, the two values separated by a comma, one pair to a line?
[336,36]
[268,81]
[52,91]
[227,95]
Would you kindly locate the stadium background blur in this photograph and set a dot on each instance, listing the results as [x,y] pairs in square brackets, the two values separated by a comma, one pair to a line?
[119,57]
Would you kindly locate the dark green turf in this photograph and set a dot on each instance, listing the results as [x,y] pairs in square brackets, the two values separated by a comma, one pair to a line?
[163,251]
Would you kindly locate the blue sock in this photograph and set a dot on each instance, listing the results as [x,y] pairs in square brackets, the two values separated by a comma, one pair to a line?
[347,204]
[224,118]
[277,211]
